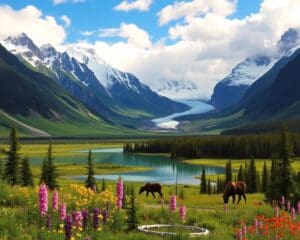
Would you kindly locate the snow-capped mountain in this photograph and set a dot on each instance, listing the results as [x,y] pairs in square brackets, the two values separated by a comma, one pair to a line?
[125,88]
[178,89]
[102,88]
[232,88]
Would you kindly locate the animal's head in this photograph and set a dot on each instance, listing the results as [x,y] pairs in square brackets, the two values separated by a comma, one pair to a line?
[225,198]
[142,189]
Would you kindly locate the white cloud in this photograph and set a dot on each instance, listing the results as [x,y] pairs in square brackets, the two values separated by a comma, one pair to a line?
[134,35]
[195,8]
[141,5]
[67,21]
[56,2]
[87,33]
[208,43]
[42,29]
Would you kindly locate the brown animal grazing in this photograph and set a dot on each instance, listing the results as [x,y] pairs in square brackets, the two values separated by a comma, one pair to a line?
[233,188]
[151,187]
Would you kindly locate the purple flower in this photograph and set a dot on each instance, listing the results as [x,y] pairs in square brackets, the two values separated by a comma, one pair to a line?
[239,235]
[293,214]
[55,201]
[298,207]
[78,219]
[105,215]
[120,189]
[85,218]
[43,199]
[96,218]
[62,211]
[244,230]
[182,212]
[282,201]
[173,203]
[68,227]
[288,206]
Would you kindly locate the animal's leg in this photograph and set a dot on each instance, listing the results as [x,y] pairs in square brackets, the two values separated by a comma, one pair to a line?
[147,194]
[233,198]
[153,194]
[160,194]
[240,197]
[244,196]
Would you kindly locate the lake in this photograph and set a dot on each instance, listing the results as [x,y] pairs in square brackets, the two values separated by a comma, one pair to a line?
[196,107]
[164,169]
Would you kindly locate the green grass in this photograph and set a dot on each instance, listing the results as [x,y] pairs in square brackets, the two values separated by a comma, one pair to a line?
[19,215]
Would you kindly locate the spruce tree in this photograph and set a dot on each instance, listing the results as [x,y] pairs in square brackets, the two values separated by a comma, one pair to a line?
[90,181]
[12,168]
[240,175]
[203,185]
[228,173]
[132,211]
[265,178]
[252,177]
[209,187]
[43,172]
[26,174]
[285,178]
[49,172]
[103,186]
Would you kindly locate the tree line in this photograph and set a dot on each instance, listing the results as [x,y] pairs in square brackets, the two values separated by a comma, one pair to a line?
[234,147]
[17,171]
[280,179]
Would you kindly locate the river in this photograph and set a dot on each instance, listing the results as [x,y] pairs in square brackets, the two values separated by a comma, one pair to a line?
[196,107]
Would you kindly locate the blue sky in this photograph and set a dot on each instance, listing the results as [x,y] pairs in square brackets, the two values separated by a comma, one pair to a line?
[189,42]
[92,15]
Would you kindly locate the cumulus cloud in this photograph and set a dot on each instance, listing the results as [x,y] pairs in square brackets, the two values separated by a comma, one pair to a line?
[56,2]
[67,21]
[141,5]
[42,29]
[134,35]
[196,8]
[208,42]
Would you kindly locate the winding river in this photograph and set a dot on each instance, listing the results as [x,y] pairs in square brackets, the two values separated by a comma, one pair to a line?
[196,107]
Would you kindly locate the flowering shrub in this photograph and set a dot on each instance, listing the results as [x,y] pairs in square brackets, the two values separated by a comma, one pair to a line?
[79,197]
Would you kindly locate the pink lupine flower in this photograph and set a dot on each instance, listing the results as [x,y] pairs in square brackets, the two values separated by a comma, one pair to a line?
[260,226]
[282,201]
[244,230]
[62,211]
[120,189]
[43,199]
[239,235]
[182,212]
[277,212]
[288,206]
[293,214]
[78,219]
[55,201]
[173,205]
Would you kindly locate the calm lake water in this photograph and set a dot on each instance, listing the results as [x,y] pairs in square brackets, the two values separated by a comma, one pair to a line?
[164,169]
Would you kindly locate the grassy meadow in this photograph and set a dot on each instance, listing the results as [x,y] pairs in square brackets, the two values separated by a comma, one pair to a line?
[20,217]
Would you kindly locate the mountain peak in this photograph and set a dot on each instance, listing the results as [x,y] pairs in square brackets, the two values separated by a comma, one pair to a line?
[289,40]
[48,50]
